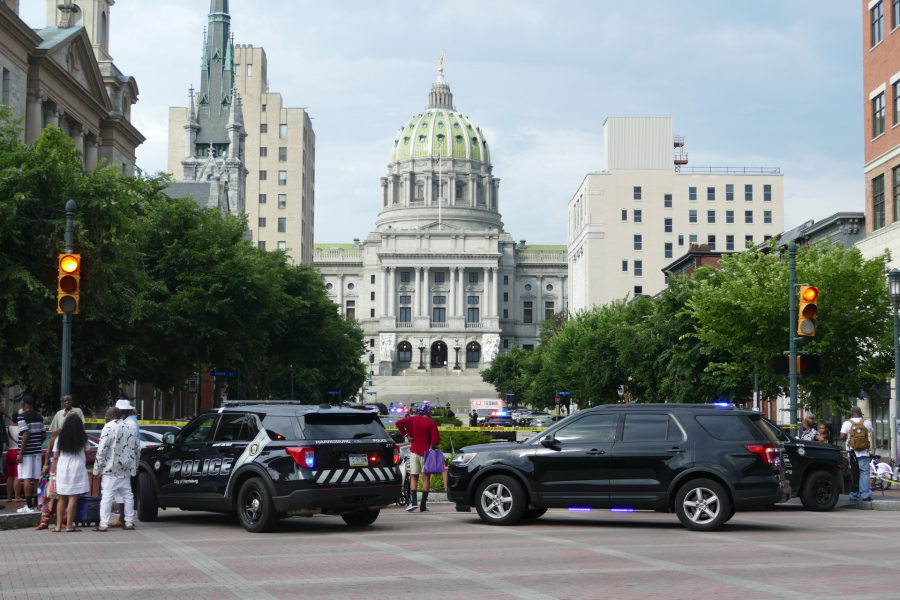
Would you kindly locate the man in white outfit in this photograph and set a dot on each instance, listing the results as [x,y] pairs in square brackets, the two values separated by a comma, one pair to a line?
[116,463]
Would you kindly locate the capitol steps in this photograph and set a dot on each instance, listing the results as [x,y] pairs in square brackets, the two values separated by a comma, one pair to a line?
[438,386]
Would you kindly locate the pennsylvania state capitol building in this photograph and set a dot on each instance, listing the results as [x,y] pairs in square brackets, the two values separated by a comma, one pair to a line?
[439,280]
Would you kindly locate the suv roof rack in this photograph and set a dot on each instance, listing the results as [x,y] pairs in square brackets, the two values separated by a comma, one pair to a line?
[262,402]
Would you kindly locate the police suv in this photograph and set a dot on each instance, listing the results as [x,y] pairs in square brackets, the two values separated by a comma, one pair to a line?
[266,460]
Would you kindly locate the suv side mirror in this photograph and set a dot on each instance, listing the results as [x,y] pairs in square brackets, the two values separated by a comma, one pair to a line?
[169,438]
[549,442]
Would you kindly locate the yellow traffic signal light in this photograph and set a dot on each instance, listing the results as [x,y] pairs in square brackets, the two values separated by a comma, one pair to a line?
[68,284]
[808,311]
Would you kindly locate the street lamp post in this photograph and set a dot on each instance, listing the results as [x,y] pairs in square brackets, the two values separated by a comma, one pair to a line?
[292,382]
[421,355]
[894,292]
[456,347]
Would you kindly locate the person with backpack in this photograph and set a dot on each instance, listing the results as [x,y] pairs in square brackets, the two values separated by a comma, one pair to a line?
[856,431]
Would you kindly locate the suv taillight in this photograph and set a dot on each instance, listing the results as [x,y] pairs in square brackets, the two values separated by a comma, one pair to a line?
[396,455]
[304,456]
[767,453]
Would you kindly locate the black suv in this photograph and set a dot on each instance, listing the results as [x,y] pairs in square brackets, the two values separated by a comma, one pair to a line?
[269,460]
[702,461]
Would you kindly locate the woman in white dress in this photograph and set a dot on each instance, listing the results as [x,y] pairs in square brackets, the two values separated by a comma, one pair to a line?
[70,470]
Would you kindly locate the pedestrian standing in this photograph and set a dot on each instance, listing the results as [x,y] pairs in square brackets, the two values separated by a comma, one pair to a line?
[61,414]
[810,433]
[856,431]
[11,433]
[31,437]
[3,444]
[473,419]
[825,433]
[422,431]
[130,419]
[70,471]
[116,464]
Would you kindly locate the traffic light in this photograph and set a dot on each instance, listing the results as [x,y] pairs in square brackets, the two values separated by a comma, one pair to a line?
[68,284]
[808,311]
[807,364]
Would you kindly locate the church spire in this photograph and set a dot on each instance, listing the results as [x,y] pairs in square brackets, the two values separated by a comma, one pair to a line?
[216,76]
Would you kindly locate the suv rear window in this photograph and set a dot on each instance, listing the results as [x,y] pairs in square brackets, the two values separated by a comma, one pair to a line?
[731,428]
[335,426]
[280,427]
[651,428]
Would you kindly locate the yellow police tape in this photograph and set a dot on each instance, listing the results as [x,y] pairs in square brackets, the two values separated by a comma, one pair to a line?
[392,427]
[140,422]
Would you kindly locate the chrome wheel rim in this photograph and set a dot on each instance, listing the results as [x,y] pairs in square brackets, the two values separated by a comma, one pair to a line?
[701,505]
[252,506]
[496,500]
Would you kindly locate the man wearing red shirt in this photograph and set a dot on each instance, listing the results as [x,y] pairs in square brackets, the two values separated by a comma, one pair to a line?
[422,431]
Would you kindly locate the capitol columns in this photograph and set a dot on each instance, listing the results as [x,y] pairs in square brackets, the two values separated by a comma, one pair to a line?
[494,291]
[34,115]
[384,290]
[539,312]
[453,273]
[340,293]
[392,291]
[417,294]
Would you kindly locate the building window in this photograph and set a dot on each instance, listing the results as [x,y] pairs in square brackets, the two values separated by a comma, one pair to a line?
[473,277]
[729,243]
[526,313]
[439,314]
[638,268]
[711,193]
[766,238]
[527,287]
[372,279]
[261,245]
[548,311]
[282,245]
[692,239]
[710,216]
[439,277]
[896,88]
[692,216]
[506,296]
[472,315]
[767,192]
[637,192]
[282,200]
[729,192]
[459,191]
[250,70]
[624,214]
[264,128]
[372,297]
[263,175]
[350,311]
[767,216]
[262,198]
[668,249]
[506,280]
[638,290]
[404,352]
[472,300]
[711,240]
[506,343]
[748,193]
[372,313]
[895,14]
[282,154]
[262,222]
[667,225]
[505,313]
[638,242]
[692,193]
[263,108]
[624,266]
[878,115]
[282,177]
[403,299]
[667,201]
[637,217]
[282,131]
[748,238]
[748,216]
[681,239]
[896,174]
[263,151]
[729,216]
[877,17]
[473,351]
[405,314]
[282,225]
[878,201]
[405,276]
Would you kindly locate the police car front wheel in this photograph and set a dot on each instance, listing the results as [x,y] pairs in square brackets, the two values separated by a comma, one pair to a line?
[255,508]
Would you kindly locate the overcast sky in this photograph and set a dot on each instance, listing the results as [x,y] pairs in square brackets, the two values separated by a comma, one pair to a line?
[766,83]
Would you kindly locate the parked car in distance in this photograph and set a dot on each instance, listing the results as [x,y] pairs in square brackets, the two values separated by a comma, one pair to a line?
[525,419]
[544,420]
[499,421]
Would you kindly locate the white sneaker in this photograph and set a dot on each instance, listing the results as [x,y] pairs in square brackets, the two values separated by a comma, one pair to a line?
[426,509]
[24,509]
[409,508]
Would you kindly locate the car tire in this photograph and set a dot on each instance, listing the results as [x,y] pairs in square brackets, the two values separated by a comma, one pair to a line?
[360,519]
[500,500]
[533,513]
[255,508]
[820,492]
[148,506]
[702,505]
[730,514]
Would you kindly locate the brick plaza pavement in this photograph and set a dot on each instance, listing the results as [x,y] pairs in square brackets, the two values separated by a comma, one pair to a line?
[787,553]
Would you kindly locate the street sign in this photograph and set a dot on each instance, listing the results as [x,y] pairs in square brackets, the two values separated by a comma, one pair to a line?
[564,393]
[223,373]
[372,393]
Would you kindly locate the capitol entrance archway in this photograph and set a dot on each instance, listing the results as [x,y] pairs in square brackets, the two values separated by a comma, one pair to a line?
[438,354]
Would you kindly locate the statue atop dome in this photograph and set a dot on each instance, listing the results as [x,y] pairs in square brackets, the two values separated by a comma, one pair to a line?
[441,61]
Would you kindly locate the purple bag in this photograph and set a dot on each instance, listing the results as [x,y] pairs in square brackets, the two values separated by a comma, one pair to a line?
[434,462]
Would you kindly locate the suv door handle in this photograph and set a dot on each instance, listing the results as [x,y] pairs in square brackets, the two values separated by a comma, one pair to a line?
[595,452]
[675,450]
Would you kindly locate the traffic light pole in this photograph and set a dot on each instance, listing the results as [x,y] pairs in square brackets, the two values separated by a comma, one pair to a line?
[66,371]
[792,254]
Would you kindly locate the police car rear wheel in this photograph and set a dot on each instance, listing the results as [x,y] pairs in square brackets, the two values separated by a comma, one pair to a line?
[360,519]
[255,508]
[148,507]
[820,492]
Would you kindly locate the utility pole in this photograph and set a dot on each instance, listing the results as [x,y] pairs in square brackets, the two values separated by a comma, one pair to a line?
[792,254]
[66,371]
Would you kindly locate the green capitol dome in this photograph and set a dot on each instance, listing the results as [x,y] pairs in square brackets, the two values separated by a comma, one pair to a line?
[440,131]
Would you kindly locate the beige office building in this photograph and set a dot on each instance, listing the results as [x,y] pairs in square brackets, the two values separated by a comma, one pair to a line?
[647,207]
[279,145]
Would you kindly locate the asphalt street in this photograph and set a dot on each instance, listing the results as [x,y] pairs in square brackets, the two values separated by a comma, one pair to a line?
[786,553]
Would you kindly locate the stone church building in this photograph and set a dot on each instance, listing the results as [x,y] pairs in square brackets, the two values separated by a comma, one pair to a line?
[439,285]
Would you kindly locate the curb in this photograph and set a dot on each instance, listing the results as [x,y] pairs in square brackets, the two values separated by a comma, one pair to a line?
[889,505]
[17,521]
